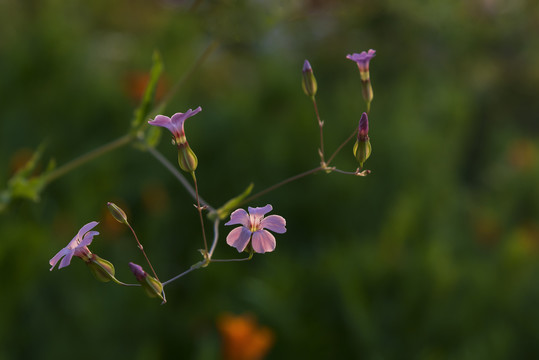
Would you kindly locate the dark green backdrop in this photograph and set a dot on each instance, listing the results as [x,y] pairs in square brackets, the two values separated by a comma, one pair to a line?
[435,255]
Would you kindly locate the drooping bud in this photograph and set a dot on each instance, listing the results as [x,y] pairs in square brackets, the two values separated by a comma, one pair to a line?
[102,269]
[152,286]
[362,147]
[117,213]
[186,158]
[309,81]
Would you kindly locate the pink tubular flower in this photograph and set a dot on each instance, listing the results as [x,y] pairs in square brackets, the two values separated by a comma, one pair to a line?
[253,229]
[76,247]
[362,60]
[175,124]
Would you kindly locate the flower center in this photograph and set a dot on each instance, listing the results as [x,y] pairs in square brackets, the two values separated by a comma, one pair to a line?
[254,223]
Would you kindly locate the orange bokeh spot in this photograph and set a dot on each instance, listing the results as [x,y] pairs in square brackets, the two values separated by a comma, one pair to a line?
[136,83]
[243,339]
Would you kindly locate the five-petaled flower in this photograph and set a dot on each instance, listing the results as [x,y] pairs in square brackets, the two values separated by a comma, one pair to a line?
[362,59]
[76,247]
[253,229]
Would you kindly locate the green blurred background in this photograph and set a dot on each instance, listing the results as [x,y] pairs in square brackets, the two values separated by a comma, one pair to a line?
[435,255]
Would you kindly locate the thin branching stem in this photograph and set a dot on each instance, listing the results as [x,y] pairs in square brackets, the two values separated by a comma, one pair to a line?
[198,62]
[122,283]
[215,237]
[341,146]
[178,175]
[230,260]
[279,184]
[81,160]
[199,208]
[179,276]
[321,125]
[143,252]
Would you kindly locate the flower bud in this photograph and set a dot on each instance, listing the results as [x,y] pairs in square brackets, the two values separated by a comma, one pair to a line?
[117,213]
[186,158]
[309,82]
[366,91]
[152,286]
[102,269]
[362,147]
[362,151]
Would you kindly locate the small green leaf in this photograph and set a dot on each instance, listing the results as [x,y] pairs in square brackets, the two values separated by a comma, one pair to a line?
[149,94]
[23,184]
[233,203]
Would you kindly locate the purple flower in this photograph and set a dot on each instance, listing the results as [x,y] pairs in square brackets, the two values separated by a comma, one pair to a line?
[175,124]
[138,271]
[362,59]
[76,247]
[363,129]
[253,229]
[307,66]
[186,157]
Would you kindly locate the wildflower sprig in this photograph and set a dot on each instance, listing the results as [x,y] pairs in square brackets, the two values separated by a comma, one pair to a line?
[255,233]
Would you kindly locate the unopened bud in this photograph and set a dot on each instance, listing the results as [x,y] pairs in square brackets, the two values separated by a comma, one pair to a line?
[152,286]
[102,269]
[309,82]
[117,213]
[362,151]
[186,158]
[362,147]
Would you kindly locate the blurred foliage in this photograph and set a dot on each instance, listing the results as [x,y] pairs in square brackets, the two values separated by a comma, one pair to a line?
[435,255]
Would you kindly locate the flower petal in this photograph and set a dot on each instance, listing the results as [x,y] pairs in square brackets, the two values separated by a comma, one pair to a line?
[66,260]
[263,241]
[57,257]
[179,118]
[163,121]
[239,216]
[274,223]
[87,239]
[239,238]
[260,211]
[83,230]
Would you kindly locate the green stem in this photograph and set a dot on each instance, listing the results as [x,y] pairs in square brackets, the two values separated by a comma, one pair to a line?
[143,252]
[231,260]
[207,52]
[179,276]
[199,208]
[81,160]
[122,283]
[215,237]
[341,146]
[321,125]
[178,175]
[278,185]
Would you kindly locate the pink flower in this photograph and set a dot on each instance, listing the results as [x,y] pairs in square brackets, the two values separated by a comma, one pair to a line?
[76,247]
[253,229]
[186,157]
[362,59]
[175,124]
